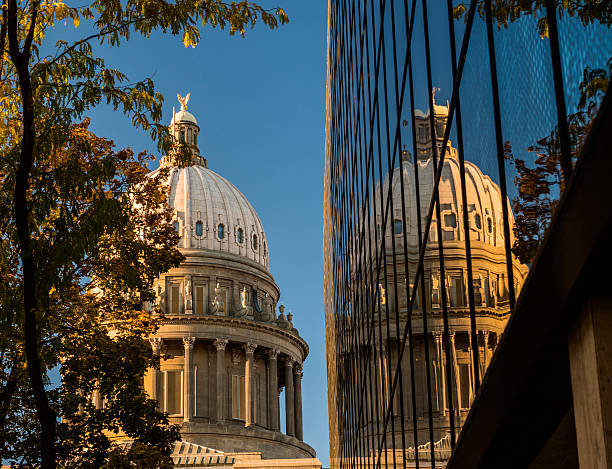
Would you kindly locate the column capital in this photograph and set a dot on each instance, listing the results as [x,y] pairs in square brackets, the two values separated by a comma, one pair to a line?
[272,353]
[298,370]
[289,361]
[156,344]
[437,333]
[188,342]
[451,335]
[220,344]
[249,347]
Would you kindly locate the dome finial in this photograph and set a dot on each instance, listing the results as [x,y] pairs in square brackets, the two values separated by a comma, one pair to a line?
[183,101]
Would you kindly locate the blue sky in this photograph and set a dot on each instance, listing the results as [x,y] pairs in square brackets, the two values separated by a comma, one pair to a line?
[260,104]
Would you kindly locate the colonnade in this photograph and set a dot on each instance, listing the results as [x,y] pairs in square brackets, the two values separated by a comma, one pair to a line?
[291,371]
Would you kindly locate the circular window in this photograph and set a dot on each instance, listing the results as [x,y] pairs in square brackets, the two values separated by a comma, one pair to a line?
[199,228]
[255,242]
[239,236]
[221,231]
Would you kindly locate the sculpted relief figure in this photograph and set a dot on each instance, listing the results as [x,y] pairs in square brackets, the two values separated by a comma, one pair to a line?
[244,309]
[218,305]
[188,299]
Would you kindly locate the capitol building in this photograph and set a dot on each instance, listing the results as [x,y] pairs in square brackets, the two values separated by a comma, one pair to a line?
[226,353]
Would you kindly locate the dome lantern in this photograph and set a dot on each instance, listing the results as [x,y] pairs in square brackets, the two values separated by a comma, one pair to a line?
[184,128]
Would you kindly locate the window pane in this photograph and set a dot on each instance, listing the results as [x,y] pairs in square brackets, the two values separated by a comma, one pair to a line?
[175,294]
[450,220]
[173,392]
[239,235]
[199,299]
[235,398]
[255,242]
[176,226]
[243,399]
[464,374]
[221,231]
[199,228]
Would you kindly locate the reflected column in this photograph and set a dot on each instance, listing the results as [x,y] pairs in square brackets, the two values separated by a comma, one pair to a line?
[441,383]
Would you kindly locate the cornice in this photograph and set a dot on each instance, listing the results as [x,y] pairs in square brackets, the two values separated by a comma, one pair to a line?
[241,323]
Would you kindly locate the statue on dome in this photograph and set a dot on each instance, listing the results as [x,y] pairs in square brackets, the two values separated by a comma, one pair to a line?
[183,100]
[281,321]
[218,305]
[244,309]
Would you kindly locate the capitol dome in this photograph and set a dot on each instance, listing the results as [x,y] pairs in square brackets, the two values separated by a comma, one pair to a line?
[484,202]
[226,345]
[211,213]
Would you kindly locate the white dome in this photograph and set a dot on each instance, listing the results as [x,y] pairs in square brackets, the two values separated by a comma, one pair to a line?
[202,201]
[183,116]
[484,202]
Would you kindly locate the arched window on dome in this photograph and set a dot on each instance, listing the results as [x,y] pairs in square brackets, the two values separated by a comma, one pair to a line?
[478,221]
[239,236]
[221,231]
[176,226]
[450,220]
[255,242]
[199,228]
[489,225]
[398,227]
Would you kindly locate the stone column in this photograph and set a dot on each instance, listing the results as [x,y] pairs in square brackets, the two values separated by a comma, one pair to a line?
[289,397]
[188,379]
[485,335]
[457,380]
[273,390]
[590,357]
[248,382]
[220,345]
[441,383]
[297,389]
[156,345]
[471,368]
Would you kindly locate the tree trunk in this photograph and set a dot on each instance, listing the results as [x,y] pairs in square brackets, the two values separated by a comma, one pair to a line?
[20,59]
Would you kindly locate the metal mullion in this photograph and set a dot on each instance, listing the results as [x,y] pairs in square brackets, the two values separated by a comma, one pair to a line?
[408,63]
[368,286]
[436,196]
[384,237]
[557,69]
[376,115]
[351,407]
[399,106]
[356,322]
[500,151]
[457,81]
[466,225]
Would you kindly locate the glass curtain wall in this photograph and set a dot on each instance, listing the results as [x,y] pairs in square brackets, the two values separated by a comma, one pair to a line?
[442,120]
